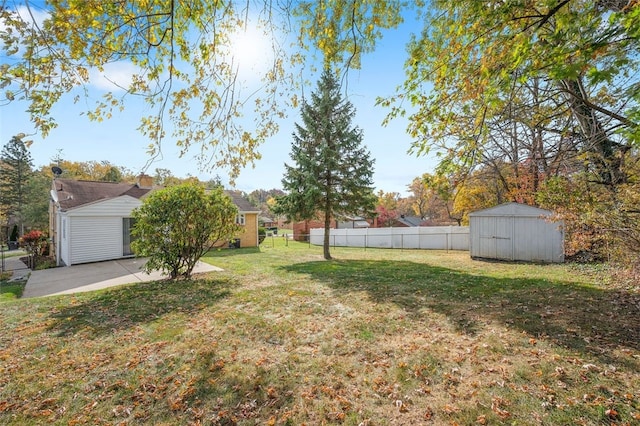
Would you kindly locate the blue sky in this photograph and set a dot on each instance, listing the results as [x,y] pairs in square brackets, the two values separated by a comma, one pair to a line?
[117,140]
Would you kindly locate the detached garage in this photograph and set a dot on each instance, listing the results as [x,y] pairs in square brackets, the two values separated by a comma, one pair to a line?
[91,221]
[516,231]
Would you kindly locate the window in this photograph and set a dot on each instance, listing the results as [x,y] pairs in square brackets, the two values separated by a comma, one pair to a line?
[127,224]
[240,220]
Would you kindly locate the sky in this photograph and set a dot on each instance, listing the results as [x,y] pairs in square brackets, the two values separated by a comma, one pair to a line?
[117,141]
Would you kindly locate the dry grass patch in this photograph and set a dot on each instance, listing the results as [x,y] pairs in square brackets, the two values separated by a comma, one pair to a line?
[376,337]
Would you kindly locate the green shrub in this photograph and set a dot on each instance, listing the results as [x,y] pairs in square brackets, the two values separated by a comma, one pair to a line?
[14,233]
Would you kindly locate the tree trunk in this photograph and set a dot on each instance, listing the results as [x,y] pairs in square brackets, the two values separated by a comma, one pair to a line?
[606,153]
[327,229]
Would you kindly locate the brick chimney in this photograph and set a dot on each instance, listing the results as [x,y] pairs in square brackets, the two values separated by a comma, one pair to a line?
[144,181]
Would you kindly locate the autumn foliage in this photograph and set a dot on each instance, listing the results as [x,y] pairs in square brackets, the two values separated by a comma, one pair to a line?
[35,243]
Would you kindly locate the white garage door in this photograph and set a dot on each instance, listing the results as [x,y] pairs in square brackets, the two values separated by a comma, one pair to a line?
[95,238]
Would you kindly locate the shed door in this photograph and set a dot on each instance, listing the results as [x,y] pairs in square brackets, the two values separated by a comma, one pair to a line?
[496,237]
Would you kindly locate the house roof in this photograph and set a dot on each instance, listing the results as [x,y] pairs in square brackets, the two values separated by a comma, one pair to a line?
[361,224]
[410,220]
[240,202]
[75,193]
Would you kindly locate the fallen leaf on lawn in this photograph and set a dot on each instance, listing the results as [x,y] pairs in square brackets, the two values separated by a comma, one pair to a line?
[272,392]
[611,413]
[450,409]
[428,415]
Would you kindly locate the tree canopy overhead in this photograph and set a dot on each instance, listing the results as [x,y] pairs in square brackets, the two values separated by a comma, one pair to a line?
[476,61]
[185,63]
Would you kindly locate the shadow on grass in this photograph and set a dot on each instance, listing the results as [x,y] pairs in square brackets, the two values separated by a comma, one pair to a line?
[574,316]
[127,306]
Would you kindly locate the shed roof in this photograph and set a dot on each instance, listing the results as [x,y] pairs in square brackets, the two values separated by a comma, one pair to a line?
[512,209]
[75,193]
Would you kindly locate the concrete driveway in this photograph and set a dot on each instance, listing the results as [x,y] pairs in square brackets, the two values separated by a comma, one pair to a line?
[94,276]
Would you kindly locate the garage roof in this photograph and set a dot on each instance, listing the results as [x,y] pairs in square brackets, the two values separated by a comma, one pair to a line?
[75,193]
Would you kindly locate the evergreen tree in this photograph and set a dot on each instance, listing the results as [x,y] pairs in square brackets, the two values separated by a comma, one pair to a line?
[332,175]
[15,170]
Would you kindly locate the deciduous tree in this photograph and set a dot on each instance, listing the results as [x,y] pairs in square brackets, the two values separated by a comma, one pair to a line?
[89,170]
[176,226]
[386,217]
[478,60]
[420,195]
[35,211]
[331,174]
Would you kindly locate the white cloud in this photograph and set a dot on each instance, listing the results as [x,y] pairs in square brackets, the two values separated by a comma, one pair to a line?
[32,15]
[28,15]
[115,76]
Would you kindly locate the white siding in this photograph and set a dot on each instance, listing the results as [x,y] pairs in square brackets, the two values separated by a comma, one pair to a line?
[95,238]
[120,206]
[94,231]
[516,232]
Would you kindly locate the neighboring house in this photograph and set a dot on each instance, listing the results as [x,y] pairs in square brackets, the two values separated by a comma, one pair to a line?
[353,222]
[267,222]
[247,218]
[403,221]
[408,221]
[91,221]
[302,229]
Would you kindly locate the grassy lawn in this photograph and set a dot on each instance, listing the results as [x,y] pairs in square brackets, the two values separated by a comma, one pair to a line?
[10,290]
[375,337]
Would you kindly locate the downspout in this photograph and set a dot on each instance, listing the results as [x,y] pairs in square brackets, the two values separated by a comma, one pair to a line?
[57,241]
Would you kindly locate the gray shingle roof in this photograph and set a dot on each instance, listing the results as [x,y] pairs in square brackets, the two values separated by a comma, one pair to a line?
[410,220]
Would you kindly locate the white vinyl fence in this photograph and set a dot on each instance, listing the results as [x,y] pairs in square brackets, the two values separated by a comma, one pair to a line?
[421,237]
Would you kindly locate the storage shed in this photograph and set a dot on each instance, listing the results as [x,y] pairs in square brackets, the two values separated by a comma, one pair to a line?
[516,231]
